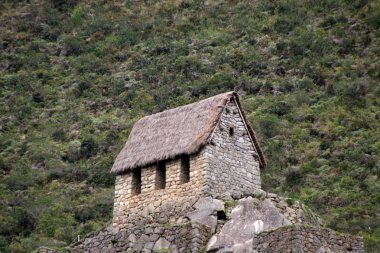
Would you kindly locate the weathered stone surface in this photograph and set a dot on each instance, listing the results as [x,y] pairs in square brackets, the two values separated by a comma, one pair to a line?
[248,218]
[209,203]
[161,244]
[206,212]
[306,239]
[185,238]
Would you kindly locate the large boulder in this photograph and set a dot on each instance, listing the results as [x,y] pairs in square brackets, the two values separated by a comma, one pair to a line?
[250,217]
[205,212]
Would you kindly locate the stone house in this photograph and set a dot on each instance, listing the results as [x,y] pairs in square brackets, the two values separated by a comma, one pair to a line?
[188,180]
[174,157]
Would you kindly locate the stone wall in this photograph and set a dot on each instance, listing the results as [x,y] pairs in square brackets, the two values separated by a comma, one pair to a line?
[306,239]
[46,250]
[295,211]
[168,205]
[184,238]
[233,164]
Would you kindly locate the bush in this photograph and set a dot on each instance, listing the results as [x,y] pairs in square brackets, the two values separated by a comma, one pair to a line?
[223,80]
[280,108]
[63,5]
[53,221]
[77,16]
[59,135]
[4,245]
[88,148]
[267,126]
[74,45]
[294,179]
[353,94]
[73,152]
[126,36]
[189,65]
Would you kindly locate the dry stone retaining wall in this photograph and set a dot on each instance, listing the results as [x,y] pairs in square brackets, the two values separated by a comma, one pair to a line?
[46,250]
[295,211]
[182,238]
[304,239]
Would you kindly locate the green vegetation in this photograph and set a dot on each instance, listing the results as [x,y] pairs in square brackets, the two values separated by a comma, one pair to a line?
[75,75]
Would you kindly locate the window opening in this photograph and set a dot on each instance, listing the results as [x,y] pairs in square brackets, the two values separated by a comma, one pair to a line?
[161,175]
[185,169]
[136,181]
[231,131]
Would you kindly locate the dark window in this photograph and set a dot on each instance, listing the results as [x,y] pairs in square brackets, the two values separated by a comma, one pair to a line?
[136,181]
[231,131]
[161,175]
[185,169]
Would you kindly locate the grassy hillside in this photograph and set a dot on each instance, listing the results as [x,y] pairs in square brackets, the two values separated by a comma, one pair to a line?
[75,75]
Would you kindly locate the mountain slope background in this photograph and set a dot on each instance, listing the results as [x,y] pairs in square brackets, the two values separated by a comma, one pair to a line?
[75,76]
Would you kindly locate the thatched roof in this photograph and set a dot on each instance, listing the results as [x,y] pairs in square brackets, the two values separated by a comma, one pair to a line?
[182,130]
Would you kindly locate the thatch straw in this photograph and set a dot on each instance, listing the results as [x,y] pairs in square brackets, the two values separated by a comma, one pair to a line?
[171,133]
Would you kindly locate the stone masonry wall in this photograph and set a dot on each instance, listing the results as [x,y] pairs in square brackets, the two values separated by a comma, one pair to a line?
[182,238]
[233,164]
[307,239]
[46,250]
[168,205]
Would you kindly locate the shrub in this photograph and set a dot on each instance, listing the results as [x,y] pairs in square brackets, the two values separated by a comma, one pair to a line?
[373,16]
[88,148]
[77,16]
[65,233]
[328,22]
[222,80]
[63,5]
[267,126]
[73,151]
[126,36]
[353,94]
[59,135]
[51,222]
[280,108]
[294,178]
[74,45]
[189,65]
[4,245]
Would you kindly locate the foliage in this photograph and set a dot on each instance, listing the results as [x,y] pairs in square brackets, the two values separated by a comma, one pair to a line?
[75,75]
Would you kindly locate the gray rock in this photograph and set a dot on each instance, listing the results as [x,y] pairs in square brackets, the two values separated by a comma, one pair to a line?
[323,250]
[226,196]
[161,244]
[245,247]
[248,218]
[260,194]
[210,204]
[206,211]
[132,238]
[212,244]
[236,195]
[149,245]
[272,195]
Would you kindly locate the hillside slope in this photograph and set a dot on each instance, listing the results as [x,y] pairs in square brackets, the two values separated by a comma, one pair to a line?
[75,75]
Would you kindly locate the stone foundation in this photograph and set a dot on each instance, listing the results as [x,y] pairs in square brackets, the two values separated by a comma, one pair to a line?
[303,239]
[151,238]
